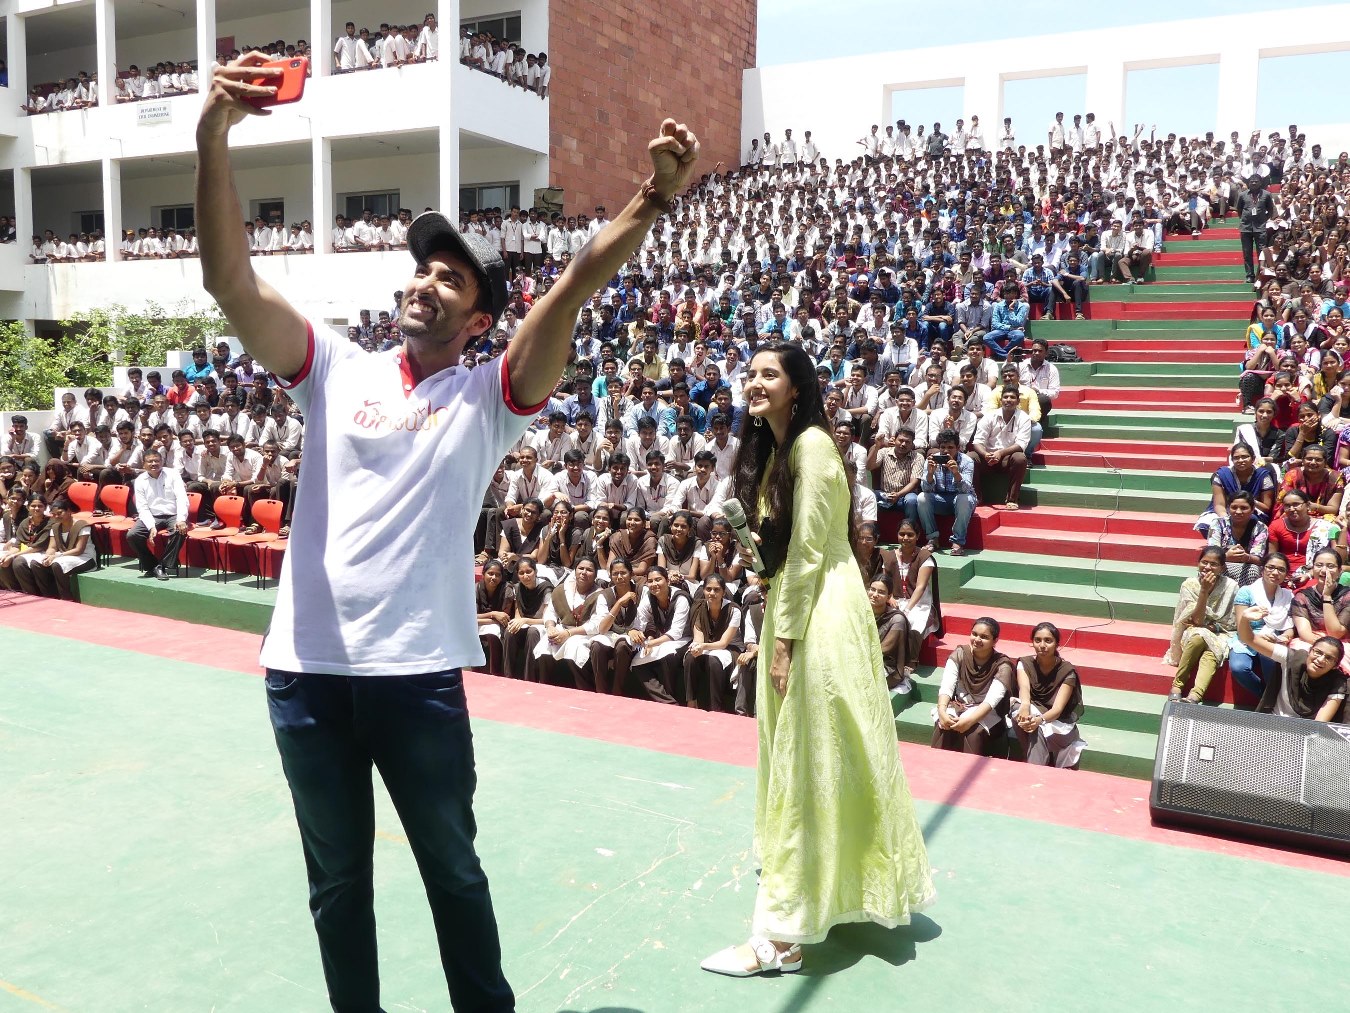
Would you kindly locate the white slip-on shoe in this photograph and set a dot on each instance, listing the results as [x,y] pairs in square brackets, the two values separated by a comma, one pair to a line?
[731,963]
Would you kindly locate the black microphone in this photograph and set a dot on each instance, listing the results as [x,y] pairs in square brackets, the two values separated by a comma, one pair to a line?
[735,515]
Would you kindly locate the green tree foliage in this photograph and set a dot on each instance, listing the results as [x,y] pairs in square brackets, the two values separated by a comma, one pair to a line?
[90,344]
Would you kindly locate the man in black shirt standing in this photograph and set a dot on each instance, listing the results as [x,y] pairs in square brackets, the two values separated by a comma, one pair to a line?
[1254,207]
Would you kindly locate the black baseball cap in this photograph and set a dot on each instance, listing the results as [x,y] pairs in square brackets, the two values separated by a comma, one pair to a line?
[432,231]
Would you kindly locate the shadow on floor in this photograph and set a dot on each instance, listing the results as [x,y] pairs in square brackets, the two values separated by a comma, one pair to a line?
[848,944]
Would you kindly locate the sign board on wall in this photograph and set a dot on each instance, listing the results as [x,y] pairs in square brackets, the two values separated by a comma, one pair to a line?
[148,113]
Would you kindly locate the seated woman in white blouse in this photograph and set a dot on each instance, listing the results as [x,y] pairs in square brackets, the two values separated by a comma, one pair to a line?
[660,633]
[1250,670]
[710,660]
[1309,684]
[569,623]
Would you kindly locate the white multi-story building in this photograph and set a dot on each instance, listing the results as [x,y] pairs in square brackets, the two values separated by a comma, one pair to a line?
[434,134]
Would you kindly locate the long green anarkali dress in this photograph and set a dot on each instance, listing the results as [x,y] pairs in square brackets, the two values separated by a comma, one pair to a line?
[835,830]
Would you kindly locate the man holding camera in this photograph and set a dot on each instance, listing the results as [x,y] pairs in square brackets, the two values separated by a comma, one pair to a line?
[948,488]
[363,656]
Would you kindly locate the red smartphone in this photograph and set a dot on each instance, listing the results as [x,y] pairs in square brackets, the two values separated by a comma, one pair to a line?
[290,86]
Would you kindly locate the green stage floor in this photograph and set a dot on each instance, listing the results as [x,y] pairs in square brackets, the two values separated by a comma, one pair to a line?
[150,861]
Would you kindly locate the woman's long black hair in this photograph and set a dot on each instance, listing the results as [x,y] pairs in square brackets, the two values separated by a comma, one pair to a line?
[758,445]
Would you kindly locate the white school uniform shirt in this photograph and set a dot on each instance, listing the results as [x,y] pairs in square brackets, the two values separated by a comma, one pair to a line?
[178,459]
[726,456]
[532,236]
[998,433]
[394,50]
[78,450]
[703,498]
[545,75]
[658,500]
[244,469]
[523,487]
[394,468]
[351,53]
[27,447]
[429,42]
[498,63]
[513,236]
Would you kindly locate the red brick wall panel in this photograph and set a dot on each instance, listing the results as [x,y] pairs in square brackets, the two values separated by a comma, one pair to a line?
[618,69]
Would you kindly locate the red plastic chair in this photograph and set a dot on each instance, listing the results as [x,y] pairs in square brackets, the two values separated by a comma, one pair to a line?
[271,555]
[267,513]
[85,497]
[230,511]
[116,498]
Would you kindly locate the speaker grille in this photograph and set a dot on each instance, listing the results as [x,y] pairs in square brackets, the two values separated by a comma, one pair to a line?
[1329,785]
[1234,770]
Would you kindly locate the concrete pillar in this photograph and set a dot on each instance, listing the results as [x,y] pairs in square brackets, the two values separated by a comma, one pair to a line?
[321,42]
[1239,70]
[983,97]
[447,22]
[105,51]
[1105,93]
[112,207]
[16,57]
[322,166]
[23,198]
[206,42]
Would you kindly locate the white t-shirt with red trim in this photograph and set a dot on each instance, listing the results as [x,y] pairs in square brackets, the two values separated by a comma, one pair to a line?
[379,571]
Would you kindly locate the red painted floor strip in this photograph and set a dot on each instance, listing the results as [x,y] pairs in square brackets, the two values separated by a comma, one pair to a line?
[1075,799]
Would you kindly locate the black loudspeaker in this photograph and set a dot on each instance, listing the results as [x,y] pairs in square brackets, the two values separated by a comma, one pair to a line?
[1257,775]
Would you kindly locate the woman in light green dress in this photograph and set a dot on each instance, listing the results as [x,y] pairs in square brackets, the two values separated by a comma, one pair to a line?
[835,830]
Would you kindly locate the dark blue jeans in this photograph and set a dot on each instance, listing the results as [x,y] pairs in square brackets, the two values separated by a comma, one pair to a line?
[330,730]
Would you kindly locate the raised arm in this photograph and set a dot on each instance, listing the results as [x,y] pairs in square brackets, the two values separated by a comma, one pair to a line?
[539,349]
[271,329]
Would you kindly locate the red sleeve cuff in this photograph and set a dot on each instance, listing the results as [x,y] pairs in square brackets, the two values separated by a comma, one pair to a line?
[299,377]
[510,402]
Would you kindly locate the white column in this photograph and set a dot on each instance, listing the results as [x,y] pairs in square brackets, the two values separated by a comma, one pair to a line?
[23,197]
[322,164]
[447,22]
[16,59]
[1105,93]
[112,207]
[105,51]
[321,42]
[1239,69]
[206,42]
[983,97]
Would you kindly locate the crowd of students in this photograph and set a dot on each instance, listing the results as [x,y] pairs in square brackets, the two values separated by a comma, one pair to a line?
[914,275]
[391,46]
[220,427]
[506,61]
[163,80]
[1268,598]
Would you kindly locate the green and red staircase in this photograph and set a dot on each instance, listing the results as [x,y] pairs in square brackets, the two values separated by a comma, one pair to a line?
[1105,535]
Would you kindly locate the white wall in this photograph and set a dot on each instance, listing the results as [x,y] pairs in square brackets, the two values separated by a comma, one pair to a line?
[503,165]
[414,176]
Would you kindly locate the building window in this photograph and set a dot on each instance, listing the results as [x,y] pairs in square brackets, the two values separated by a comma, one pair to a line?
[88,221]
[504,27]
[489,195]
[384,202]
[272,210]
[181,217]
